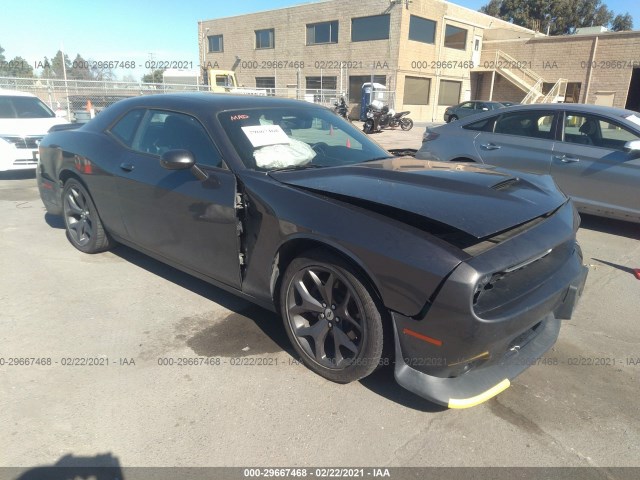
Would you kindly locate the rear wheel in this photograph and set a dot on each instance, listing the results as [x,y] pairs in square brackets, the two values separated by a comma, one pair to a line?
[331,317]
[406,124]
[84,227]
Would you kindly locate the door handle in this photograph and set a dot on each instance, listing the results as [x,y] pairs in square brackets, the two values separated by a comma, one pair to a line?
[565,159]
[127,167]
[491,146]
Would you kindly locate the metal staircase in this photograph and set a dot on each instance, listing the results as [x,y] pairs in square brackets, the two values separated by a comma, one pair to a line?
[528,81]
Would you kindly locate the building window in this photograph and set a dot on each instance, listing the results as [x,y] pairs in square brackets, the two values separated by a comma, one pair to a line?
[416,91]
[325,32]
[370,28]
[449,92]
[215,43]
[422,30]
[265,82]
[356,81]
[455,37]
[324,83]
[265,39]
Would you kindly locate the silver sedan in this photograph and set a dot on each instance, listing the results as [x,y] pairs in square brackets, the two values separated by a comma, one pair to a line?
[592,152]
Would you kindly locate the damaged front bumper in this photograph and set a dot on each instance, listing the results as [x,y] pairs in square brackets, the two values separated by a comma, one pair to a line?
[472,340]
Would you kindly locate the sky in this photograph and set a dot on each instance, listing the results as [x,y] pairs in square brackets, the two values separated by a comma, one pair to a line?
[135,30]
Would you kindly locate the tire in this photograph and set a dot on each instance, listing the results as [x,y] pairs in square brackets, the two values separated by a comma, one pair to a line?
[452,118]
[368,127]
[343,340]
[82,222]
[406,124]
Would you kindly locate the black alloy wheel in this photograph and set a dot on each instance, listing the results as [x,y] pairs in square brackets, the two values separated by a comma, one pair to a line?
[83,225]
[331,318]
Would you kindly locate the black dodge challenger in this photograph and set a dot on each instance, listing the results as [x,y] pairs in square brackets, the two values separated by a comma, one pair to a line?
[461,274]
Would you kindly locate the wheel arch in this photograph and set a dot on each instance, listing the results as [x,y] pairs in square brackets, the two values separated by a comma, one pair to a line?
[293,247]
[64,177]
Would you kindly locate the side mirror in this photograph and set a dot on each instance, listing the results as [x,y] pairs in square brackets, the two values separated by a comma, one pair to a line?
[182,160]
[632,146]
[177,160]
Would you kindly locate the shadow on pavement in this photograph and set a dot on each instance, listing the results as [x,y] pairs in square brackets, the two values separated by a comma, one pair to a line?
[69,467]
[608,225]
[18,175]
[381,382]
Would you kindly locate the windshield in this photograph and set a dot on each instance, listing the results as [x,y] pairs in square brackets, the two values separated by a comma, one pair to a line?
[296,137]
[23,107]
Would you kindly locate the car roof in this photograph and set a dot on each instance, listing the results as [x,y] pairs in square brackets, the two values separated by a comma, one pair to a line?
[579,107]
[210,102]
[14,93]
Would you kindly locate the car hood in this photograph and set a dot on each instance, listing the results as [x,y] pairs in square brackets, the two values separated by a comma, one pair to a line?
[28,126]
[479,201]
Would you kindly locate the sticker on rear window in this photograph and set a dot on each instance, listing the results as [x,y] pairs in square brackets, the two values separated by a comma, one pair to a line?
[261,135]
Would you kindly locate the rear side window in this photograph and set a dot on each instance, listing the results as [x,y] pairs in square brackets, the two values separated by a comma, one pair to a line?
[125,128]
[534,124]
[595,131]
[485,125]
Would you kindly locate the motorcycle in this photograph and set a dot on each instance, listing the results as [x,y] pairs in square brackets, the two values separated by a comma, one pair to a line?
[342,109]
[379,117]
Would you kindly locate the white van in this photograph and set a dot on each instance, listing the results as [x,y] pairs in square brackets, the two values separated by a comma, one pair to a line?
[24,120]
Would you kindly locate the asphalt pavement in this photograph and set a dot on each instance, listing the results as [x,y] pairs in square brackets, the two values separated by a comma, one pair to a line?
[114,333]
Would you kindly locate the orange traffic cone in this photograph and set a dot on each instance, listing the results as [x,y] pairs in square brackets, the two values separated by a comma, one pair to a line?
[330,129]
[90,109]
[348,143]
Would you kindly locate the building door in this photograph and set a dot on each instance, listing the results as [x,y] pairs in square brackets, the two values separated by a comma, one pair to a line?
[604,98]
[477,49]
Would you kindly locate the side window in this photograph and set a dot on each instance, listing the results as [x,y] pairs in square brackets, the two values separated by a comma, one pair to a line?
[535,124]
[591,130]
[125,128]
[161,131]
[485,125]
[469,105]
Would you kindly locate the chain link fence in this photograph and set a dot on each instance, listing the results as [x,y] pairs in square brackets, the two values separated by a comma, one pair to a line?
[78,100]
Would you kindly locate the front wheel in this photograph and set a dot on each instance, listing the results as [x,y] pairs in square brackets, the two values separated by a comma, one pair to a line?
[331,317]
[84,227]
[452,118]
[368,126]
[406,124]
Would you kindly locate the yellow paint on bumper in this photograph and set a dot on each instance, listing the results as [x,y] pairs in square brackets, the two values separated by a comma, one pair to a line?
[483,397]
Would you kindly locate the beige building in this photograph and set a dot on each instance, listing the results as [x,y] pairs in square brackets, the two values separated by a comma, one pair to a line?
[430,53]
[589,67]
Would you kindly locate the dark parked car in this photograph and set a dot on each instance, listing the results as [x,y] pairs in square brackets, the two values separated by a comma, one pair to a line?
[291,207]
[592,152]
[465,109]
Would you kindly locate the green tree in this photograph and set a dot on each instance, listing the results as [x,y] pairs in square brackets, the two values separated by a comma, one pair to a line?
[79,69]
[57,65]
[18,67]
[154,77]
[622,22]
[2,62]
[558,16]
